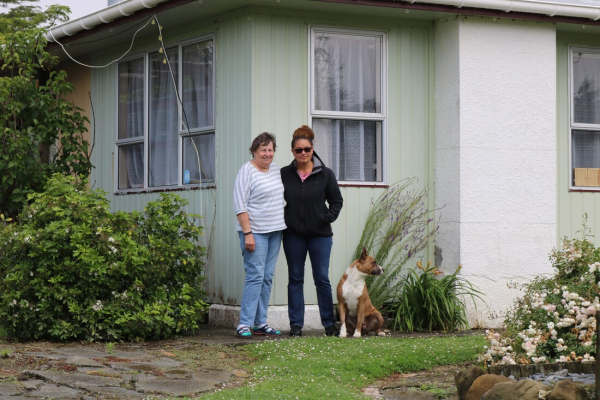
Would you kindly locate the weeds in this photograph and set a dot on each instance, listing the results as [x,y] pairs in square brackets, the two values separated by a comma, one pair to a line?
[5,353]
[109,347]
[439,393]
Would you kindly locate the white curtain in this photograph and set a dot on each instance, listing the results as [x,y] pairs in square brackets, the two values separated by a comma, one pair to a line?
[347,78]
[586,88]
[198,84]
[198,101]
[585,149]
[206,149]
[131,122]
[163,120]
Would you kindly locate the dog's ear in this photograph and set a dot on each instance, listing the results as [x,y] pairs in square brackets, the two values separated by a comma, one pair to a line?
[364,254]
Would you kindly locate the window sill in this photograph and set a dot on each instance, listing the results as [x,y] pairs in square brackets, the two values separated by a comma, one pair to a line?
[365,185]
[164,189]
[584,190]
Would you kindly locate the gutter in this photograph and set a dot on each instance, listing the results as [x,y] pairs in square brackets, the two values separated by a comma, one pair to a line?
[550,8]
[536,10]
[101,17]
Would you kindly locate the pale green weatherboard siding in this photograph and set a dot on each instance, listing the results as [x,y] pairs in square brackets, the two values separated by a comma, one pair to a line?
[572,205]
[262,85]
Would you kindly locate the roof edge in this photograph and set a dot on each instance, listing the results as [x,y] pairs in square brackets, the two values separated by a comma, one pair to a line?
[546,8]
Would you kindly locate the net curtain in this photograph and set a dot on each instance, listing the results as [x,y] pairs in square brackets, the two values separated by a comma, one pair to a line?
[346,79]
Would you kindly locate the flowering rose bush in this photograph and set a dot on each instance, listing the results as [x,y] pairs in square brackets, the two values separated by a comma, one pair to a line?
[71,269]
[555,320]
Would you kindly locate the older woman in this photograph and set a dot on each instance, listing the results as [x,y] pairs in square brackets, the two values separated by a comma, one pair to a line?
[258,204]
[309,188]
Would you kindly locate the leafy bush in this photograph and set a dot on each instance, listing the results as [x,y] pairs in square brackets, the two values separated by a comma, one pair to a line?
[71,269]
[41,132]
[429,302]
[398,227]
[555,319]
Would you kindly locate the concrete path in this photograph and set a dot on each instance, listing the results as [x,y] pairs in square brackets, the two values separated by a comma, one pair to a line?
[43,370]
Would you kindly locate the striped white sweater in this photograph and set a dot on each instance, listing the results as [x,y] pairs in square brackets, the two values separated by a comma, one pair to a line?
[260,194]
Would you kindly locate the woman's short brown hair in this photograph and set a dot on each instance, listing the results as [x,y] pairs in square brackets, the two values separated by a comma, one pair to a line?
[262,140]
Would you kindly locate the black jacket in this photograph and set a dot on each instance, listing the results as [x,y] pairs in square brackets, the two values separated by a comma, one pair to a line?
[306,213]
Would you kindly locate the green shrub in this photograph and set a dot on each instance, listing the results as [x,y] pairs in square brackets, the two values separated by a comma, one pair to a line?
[429,302]
[71,269]
[554,319]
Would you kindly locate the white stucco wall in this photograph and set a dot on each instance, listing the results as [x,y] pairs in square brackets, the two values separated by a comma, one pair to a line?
[496,153]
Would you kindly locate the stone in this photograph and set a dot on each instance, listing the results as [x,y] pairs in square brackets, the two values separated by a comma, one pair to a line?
[78,380]
[568,390]
[11,389]
[240,373]
[51,391]
[484,383]
[526,389]
[464,380]
[176,387]
[83,362]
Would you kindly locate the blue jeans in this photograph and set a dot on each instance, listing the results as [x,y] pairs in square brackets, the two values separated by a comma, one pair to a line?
[319,250]
[260,267]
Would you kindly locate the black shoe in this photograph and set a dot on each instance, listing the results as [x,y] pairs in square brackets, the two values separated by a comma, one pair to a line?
[295,330]
[331,330]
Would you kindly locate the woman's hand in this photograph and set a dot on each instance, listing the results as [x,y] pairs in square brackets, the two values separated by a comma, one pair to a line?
[250,245]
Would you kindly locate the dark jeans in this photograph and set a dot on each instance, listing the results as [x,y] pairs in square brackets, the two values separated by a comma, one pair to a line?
[319,250]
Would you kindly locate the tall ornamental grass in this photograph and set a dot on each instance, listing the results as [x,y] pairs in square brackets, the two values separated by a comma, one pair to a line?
[399,225]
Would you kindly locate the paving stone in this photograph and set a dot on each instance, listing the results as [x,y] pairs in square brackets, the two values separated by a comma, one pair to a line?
[104,372]
[240,373]
[49,356]
[11,389]
[160,363]
[221,375]
[176,387]
[132,355]
[32,384]
[117,393]
[51,391]
[74,379]
[85,352]
[83,362]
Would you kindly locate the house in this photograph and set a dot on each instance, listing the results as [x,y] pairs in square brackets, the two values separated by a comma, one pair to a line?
[487,101]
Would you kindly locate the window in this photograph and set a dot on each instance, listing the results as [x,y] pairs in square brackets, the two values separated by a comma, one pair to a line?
[348,102]
[163,142]
[585,118]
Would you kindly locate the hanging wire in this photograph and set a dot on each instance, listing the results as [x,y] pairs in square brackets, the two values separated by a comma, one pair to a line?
[185,123]
[112,62]
[183,115]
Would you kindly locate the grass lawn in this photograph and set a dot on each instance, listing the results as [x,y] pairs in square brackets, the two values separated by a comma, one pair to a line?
[321,367]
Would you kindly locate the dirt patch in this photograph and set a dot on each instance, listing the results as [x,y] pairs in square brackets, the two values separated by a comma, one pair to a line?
[437,383]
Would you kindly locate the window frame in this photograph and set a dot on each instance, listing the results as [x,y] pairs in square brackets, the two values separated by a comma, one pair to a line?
[357,116]
[182,133]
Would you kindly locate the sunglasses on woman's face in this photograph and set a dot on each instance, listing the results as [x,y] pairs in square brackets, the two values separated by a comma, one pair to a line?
[299,150]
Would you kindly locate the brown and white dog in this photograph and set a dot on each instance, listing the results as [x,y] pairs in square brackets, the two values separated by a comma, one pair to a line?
[357,314]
